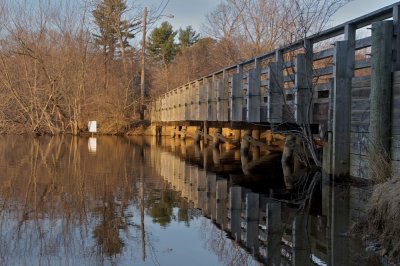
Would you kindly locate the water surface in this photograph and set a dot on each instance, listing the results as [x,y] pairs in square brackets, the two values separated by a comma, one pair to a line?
[123,201]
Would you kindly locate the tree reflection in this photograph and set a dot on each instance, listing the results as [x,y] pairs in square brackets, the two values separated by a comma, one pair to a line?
[58,201]
[161,208]
[107,232]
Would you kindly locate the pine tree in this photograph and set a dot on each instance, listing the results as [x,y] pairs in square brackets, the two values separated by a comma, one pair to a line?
[113,32]
[161,43]
[187,37]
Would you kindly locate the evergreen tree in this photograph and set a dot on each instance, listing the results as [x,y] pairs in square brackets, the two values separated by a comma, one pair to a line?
[113,31]
[161,43]
[187,37]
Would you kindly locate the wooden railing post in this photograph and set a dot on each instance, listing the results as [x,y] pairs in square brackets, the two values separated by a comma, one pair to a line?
[303,85]
[202,92]
[343,72]
[211,100]
[222,100]
[236,101]
[381,92]
[396,44]
[275,90]
[253,96]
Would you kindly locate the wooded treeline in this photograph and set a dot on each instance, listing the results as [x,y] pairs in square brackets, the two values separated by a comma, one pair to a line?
[63,63]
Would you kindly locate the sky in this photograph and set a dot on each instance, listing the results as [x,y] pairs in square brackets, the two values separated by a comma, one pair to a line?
[193,12]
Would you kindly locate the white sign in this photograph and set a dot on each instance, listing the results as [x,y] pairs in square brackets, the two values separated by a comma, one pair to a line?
[92,126]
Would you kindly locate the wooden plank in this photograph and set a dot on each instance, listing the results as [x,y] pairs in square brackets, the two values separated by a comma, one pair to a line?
[361,93]
[364,81]
[322,71]
[358,172]
[323,86]
[323,100]
[359,160]
[359,128]
[264,83]
[323,54]
[253,96]
[365,63]
[363,43]
[360,104]
[359,143]
[360,116]
[236,98]
[289,78]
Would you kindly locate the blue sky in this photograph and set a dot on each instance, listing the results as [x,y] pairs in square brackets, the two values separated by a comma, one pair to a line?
[192,12]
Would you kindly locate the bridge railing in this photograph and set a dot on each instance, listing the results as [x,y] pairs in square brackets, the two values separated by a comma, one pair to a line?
[276,87]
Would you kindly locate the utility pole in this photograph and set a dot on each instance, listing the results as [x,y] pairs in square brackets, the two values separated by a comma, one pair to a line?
[142,77]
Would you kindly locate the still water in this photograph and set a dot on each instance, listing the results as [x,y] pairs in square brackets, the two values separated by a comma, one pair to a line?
[138,201]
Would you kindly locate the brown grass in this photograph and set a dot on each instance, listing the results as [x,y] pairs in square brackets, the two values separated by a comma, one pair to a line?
[384,216]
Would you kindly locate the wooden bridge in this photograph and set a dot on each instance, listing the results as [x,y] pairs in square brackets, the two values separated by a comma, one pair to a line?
[347,88]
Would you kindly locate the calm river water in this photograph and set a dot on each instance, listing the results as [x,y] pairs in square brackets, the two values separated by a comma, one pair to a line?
[138,201]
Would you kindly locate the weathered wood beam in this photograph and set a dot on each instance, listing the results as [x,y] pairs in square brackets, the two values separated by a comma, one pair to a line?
[253,96]
[341,124]
[381,93]
[396,43]
[236,98]
[275,91]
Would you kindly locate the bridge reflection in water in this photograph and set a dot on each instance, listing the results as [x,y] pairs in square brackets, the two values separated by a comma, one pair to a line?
[291,219]
[136,200]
